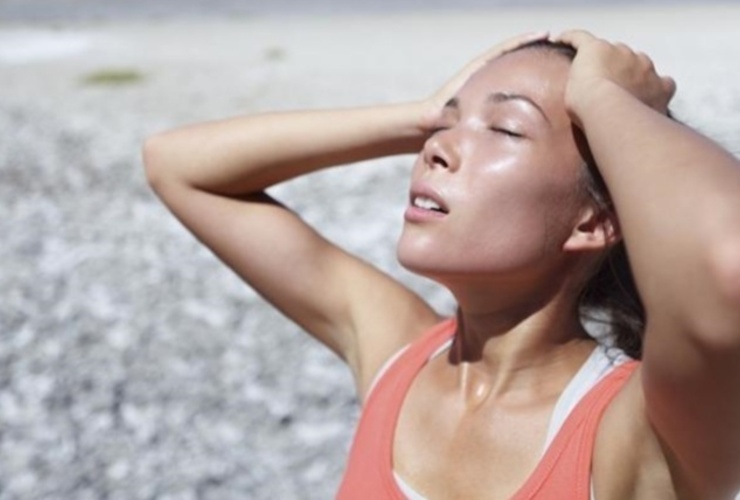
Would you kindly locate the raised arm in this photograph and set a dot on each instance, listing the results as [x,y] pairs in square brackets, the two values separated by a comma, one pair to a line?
[677,196]
[212,177]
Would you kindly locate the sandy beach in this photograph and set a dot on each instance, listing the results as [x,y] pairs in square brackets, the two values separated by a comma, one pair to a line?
[132,364]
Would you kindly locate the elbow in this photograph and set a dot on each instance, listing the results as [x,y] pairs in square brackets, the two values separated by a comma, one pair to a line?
[725,270]
[723,318]
[154,155]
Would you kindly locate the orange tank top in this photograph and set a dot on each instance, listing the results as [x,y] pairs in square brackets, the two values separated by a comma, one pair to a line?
[563,472]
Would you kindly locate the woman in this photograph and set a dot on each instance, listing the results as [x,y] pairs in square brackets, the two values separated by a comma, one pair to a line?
[506,213]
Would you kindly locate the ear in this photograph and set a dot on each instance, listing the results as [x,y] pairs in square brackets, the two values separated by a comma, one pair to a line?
[597,229]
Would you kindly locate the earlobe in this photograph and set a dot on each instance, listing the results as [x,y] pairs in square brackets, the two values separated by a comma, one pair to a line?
[596,230]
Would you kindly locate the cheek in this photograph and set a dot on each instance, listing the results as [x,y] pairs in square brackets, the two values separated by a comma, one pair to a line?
[521,214]
[526,186]
[510,214]
[510,224]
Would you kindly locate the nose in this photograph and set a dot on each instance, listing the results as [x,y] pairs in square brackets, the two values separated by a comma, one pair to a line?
[441,151]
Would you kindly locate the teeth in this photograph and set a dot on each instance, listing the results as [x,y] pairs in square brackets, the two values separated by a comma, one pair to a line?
[426,203]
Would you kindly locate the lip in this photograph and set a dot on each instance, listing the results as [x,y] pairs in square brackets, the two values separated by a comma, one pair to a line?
[417,214]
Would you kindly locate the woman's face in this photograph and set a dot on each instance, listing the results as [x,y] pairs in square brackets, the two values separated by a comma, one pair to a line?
[496,189]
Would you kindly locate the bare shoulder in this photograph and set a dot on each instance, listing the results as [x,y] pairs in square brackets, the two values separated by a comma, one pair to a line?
[629,460]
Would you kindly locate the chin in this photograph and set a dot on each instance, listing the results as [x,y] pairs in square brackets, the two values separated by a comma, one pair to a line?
[406,260]
[415,260]
[426,262]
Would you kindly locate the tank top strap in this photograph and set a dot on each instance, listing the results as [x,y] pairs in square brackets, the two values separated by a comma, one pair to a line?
[565,469]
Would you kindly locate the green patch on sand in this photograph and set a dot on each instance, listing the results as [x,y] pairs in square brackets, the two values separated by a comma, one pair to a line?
[274,54]
[113,77]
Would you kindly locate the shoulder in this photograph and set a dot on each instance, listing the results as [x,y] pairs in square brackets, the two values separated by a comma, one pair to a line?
[629,460]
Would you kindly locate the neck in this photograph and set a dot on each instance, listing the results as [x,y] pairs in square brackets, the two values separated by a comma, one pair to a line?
[505,342]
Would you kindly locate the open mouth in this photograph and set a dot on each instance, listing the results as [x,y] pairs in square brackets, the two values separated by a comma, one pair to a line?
[427,203]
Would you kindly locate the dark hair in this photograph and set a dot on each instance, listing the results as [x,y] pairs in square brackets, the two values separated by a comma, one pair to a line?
[610,296]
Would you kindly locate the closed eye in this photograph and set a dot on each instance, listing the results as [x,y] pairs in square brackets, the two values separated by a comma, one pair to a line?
[507,132]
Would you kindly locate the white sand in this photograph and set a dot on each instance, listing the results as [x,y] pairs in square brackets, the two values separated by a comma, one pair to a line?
[134,365]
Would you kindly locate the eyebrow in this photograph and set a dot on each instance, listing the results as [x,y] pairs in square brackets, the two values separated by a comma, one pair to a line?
[506,96]
[498,97]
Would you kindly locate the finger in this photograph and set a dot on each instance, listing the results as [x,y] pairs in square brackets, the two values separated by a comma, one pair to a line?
[575,38]
[623,47]
[669,86]
[645,61]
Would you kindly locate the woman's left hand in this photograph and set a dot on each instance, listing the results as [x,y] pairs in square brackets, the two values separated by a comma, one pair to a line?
[599,62]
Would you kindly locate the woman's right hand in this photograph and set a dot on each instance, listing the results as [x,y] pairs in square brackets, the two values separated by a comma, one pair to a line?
[434,104]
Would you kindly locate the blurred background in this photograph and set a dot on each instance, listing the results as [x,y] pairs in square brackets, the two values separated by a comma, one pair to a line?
[132,364]
[118,10]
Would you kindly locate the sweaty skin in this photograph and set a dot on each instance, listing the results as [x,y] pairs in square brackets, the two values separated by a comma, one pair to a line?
[498,216]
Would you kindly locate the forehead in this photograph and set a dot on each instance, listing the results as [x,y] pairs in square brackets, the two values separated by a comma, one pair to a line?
[540,75]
